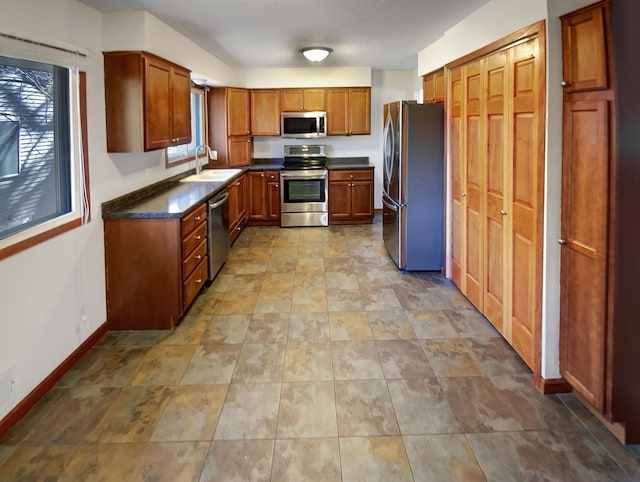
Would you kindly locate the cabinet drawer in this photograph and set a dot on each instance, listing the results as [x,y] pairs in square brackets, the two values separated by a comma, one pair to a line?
[194,283]
[191,261]
[273,176]
[192,240]
[354,175]
[192,220]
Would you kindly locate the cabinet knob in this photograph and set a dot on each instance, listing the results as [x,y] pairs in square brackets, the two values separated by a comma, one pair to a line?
[463,194]
[262,175]
[503,212]
[197,218]
[277,186]
[198,257]
[198,281]
[564,83]
[351,176]
[562,241]
[198,237]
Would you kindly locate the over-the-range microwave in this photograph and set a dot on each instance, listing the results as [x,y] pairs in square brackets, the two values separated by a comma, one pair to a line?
[303,125]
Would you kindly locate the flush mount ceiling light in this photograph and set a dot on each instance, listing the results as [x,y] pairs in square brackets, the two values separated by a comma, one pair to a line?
[316,54]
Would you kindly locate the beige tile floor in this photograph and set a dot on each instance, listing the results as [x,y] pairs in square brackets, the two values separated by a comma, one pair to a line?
[311,357]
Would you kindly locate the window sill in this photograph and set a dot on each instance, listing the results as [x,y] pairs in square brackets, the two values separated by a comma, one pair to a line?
[21,245]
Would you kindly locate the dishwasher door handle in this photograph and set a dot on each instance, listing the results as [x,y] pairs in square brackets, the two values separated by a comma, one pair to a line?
[219,201]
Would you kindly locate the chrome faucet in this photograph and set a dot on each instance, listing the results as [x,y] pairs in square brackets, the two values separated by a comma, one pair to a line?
[207,151]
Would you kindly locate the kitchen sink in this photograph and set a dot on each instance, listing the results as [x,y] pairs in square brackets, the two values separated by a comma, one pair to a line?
[212,175]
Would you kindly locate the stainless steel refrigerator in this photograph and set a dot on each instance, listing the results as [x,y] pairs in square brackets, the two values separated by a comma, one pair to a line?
[413,185]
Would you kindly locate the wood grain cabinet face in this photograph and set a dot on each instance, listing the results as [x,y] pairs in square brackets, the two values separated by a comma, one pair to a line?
[237,207]
[588,170]
[433,87]
[263,206]
[154,269]
[296,100]
[265,112]
[584,50]
[230,126]
[351,196]
[147,100]
[349,111]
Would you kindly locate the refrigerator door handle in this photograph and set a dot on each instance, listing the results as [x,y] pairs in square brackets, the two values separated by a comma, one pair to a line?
[389,201]
[388,148]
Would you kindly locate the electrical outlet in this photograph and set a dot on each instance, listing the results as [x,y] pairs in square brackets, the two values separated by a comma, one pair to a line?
[214,155]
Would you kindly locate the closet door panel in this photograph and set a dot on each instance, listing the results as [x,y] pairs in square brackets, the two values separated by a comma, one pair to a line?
[497,89]
[474,162]
[526,168]
[457,179]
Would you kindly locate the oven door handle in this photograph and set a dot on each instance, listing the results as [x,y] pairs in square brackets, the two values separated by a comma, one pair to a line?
[305,177]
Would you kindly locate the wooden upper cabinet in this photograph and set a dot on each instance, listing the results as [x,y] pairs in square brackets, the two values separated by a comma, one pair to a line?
[265,112]
[147,102]
[238,112]
[229,126]
[433,86]
[349,111]
[584,50]
[293,100]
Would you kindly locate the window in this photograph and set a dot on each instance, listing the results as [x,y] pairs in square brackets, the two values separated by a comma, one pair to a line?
[179,154]
[43,179]
[35,152]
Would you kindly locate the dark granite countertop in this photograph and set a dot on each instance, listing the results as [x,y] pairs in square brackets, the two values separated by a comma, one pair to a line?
[171,198]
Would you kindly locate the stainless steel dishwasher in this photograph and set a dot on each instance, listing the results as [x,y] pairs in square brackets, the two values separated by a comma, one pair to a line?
[218,233]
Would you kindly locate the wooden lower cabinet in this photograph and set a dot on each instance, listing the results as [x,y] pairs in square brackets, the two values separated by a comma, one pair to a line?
[496,145]
[351,196]
[263,197]
[154,269]
[237,207]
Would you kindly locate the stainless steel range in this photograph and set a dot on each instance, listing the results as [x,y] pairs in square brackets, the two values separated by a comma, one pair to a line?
[303,187]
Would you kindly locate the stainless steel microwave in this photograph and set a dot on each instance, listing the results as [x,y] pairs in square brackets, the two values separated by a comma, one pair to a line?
[303,125]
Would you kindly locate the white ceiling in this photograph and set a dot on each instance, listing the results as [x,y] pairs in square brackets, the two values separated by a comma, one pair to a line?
[381,34]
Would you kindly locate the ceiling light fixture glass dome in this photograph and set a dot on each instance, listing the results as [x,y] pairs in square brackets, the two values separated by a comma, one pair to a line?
[316,54]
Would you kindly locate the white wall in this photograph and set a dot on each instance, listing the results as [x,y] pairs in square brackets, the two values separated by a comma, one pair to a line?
[491,22]
[45,290]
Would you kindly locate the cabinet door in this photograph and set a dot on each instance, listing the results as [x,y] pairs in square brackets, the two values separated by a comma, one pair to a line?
[439,86]
[429,89]
[238,112]
[339,200]
[314,99]
[338,112]
[584,50]
[273,200]
[157,104]
[362,199]
[257,194]
[583,297]
[291,100]
[239,148]
[180,106]
[359,111]
[265,112]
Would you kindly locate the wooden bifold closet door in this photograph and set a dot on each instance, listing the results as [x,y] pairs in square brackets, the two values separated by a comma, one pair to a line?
[496,139]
